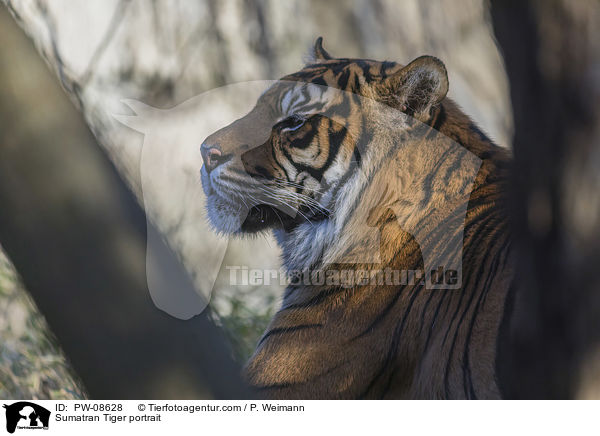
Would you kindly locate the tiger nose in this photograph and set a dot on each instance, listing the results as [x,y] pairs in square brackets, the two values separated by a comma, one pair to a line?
[212,156]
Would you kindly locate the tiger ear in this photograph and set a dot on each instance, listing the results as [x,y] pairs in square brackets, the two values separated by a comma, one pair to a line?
[419,86]
[319,53]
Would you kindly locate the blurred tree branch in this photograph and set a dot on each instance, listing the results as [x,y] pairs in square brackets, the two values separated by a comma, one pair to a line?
[115,22]
[77,236]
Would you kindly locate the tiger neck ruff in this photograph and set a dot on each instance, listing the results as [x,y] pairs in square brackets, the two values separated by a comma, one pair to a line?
[390,203]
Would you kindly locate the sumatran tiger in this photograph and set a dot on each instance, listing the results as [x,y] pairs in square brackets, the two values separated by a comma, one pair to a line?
[365,171]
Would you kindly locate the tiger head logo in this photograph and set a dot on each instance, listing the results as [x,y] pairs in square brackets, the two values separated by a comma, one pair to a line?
[25,414]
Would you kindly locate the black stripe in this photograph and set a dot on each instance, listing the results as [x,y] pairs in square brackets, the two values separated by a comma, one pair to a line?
[281,166]
[392,351]
[319,81]
[457,329]
[291,329]
[356,158]
[274,386]
[440,118]
[380,316]
[342,80]
[472,243]
[306,140]
[467,377]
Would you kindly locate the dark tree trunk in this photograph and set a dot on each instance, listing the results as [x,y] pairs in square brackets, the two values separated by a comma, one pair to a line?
[553,64]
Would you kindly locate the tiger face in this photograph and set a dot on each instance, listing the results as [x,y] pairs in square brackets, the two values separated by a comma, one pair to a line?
[282,164]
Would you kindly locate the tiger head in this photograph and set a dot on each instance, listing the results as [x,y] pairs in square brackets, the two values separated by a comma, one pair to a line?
[284,164]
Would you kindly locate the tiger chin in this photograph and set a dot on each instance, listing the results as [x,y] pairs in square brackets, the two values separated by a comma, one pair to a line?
[365,166]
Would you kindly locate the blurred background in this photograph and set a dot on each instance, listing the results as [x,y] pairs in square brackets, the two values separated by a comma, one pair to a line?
[55,178]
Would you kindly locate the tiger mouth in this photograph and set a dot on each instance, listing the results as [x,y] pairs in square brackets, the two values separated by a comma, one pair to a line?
[263,216]
[256,216]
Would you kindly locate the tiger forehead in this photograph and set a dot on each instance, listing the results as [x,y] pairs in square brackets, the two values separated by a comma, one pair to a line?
[314,87]
[337,72]
[306,97]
